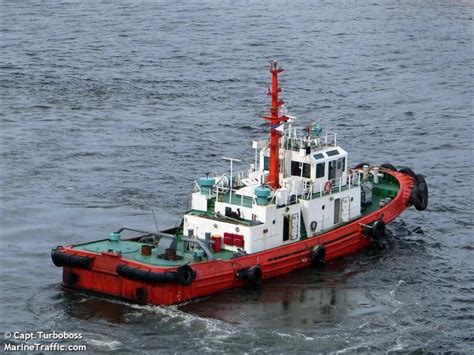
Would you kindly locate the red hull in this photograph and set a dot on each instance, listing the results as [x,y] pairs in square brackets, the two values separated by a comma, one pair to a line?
[218,275]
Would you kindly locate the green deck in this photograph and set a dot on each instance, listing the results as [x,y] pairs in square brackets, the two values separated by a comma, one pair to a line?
[131,249]
[387,187]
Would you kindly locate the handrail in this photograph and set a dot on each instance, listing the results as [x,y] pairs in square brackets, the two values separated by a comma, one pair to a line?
[295,142]
[144,231]
[328,140]
[351,181]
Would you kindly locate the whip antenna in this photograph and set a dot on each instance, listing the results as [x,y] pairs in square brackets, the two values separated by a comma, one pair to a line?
[156,223]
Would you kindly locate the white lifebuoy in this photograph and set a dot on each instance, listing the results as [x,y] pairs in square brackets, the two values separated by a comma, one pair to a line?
[327,187]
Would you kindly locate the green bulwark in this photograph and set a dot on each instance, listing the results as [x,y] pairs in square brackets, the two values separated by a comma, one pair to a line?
[235,199]
[388,186]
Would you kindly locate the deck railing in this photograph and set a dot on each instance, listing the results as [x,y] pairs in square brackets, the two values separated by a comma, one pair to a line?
[336,185]
[310,190]
[295,143]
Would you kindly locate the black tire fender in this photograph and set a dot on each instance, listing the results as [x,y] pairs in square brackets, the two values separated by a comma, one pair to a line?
[318,255]
[63,259]
[419,197]
[408,171]
[422,185]
[313,225]
[255,275]
[140,294]
[424,189]
[147,276]
[70,278]
[388,166]
[185,275]
[361,165]
[378,229]
[420,179]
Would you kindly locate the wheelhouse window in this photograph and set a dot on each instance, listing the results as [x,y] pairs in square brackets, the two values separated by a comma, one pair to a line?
[318,156]
[266,163]
[332,153]
[332,170]
[320,170]
[296,167]
[306,170]
[341,164]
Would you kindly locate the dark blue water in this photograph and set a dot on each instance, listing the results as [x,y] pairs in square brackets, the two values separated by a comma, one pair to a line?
[112,108]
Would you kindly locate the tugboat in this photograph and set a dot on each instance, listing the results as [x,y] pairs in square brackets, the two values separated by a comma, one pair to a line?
[298,205]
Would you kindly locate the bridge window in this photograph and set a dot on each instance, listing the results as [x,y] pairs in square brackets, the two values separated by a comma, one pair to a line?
[332,170]
[341,164]
[320,170]
[296,169]
[318,156]
[332,153]
[266,163]
[306,170]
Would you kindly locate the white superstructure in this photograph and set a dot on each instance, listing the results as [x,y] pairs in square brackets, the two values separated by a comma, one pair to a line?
[317,192]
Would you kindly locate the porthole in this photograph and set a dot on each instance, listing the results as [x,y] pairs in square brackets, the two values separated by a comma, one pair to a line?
[352,199]
[323,207]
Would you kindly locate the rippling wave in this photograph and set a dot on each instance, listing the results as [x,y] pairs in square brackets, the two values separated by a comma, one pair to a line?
[111,109]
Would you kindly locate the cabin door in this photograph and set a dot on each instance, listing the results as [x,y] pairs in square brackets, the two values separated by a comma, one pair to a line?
[294,226]
[290,227]
[337,210]
[286,227]
[345,209]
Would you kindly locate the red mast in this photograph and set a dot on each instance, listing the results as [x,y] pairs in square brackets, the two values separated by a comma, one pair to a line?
[275,120]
